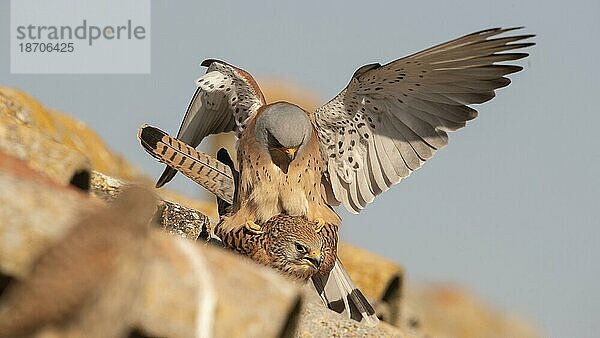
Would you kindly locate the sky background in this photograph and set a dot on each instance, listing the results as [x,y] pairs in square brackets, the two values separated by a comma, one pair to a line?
[508,209]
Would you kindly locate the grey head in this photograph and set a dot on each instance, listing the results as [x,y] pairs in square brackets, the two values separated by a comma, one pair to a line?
[284,130]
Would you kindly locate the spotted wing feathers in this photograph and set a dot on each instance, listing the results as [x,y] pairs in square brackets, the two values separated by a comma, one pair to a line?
[224,99]
[390,119]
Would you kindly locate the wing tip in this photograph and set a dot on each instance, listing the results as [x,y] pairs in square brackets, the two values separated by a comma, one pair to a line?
[208,62]
[499,30]
[489,32]
[364,316]
[364,69]
[339,294]
[513,28]
[223,156]
[165,177]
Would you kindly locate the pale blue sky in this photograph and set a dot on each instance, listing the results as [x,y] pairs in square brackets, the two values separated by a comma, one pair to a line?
[508,209]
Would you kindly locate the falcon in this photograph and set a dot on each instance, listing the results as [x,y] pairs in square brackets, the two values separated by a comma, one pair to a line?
[387,122]
[384,125]
[290,244]
[298,248]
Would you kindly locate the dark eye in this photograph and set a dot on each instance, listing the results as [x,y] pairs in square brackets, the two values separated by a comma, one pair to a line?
[300,248]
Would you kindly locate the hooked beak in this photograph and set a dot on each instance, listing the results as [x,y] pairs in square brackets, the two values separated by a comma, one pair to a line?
[314,258]
[282,157]
[290,152]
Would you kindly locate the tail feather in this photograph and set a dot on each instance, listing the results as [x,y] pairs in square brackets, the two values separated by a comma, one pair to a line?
[340,295]
[336,289]
[198,166]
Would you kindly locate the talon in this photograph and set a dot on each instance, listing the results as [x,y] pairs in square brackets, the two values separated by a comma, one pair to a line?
[253,227]
[320,223]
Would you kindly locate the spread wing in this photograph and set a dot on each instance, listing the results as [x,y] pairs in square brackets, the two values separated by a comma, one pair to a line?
[390,119]
[224,99]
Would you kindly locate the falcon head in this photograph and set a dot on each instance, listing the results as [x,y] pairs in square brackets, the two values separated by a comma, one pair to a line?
[283,129]
[294,246]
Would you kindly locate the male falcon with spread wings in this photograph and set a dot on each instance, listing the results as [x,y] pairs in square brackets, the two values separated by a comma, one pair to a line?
[385,124]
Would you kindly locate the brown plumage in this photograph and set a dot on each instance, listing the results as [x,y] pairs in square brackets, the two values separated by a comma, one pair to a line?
[380,128]
[268,246]
[265,190]
[384,125]
[291,244]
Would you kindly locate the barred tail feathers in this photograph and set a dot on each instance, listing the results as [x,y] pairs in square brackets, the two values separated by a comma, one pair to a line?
[198,166]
